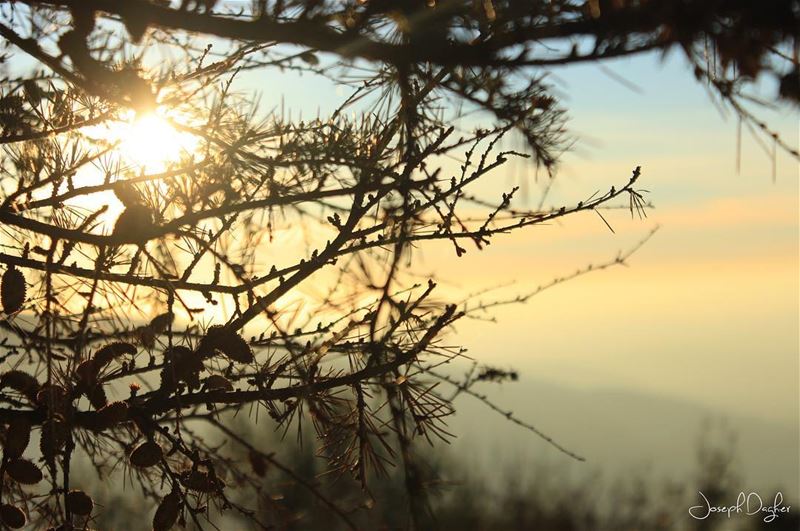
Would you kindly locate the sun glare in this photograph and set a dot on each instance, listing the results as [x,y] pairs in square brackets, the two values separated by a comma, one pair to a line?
[144,143]
[150,141]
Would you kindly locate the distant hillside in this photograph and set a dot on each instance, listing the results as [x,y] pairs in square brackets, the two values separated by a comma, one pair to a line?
[621,431]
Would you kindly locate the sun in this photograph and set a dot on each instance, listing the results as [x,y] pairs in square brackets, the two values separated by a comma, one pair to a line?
[150,141]
[143,143]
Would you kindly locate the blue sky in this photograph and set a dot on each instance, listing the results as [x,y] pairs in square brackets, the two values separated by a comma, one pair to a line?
[714,293]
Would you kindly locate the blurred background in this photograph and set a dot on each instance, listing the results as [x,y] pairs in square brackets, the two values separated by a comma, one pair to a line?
[631,366]
[676,375]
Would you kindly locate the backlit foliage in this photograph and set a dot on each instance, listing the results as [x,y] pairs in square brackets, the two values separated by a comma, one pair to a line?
[175,255]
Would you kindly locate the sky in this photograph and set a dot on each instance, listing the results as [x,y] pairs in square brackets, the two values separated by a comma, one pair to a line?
[628,364]
[708,309]
[706,312]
